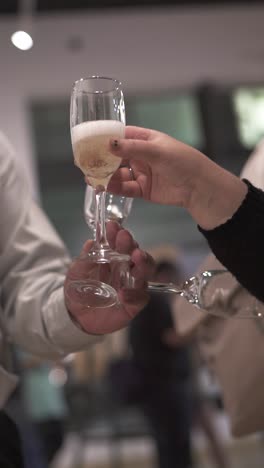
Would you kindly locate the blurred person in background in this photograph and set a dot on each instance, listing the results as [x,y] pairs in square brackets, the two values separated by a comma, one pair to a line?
[204,409]
[232,349]
[165,374]
[35,314]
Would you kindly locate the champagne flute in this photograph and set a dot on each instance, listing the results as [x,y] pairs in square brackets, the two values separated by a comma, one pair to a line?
[98,114]
[215,292]
[117,208]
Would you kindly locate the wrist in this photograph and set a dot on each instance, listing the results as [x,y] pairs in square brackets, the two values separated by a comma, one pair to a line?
[216,195]
[78,323]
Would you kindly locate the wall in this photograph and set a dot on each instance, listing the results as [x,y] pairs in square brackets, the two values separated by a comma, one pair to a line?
[153,49]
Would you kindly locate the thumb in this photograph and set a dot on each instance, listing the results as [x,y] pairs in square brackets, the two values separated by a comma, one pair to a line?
[132,149]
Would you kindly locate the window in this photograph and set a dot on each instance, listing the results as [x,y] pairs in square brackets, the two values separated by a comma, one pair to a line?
[249,109]
[175,114]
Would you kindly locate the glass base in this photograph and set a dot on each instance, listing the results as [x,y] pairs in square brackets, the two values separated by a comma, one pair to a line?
[103,273]
[91,294]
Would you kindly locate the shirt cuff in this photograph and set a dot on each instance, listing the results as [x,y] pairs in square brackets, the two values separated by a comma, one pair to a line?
[66,336]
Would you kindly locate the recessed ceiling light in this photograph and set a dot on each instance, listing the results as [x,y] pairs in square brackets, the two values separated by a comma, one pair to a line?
[75,43]
[22,40]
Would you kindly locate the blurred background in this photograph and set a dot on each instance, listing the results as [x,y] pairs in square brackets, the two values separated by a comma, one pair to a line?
[193,69]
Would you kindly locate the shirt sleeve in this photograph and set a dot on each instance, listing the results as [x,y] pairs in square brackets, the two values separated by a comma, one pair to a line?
[33,263]
[238,243]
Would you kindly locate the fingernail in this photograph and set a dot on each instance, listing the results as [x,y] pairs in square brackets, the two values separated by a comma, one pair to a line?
[114,143]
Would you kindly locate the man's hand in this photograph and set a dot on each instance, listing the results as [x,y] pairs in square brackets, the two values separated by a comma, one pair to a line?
[107,320]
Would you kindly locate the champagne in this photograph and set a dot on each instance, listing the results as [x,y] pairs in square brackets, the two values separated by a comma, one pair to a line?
[90,142]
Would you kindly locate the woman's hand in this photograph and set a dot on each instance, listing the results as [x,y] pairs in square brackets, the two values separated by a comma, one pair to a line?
[169,172]
[163,168]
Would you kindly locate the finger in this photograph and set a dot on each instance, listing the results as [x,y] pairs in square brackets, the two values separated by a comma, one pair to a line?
[124,182]
[125,242]
[133,300]
[87,246]
[129,188]
[112,229]
[123,173]
[120,239]
[125,165]
[144,265]
[129,173]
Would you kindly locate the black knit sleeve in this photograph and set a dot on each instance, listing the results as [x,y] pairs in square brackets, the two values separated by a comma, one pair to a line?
[239,243]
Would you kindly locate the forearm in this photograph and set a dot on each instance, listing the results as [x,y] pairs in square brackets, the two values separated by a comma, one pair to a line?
[216,195]
[238,243]
[33,264]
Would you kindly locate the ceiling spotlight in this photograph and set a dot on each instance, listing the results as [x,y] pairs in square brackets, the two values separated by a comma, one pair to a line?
[75,43]
[22,40]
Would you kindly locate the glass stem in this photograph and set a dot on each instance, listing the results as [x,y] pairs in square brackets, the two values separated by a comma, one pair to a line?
[100,238]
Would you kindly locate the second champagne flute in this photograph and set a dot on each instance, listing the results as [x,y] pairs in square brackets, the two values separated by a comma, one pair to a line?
[117,208]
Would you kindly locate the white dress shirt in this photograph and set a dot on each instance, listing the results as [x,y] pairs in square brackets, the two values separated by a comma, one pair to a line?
[33,262]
